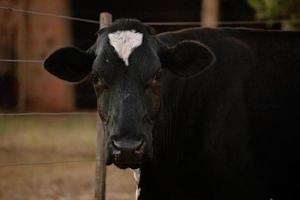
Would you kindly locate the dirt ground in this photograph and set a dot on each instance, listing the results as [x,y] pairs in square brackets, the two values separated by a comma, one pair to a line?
[40,139]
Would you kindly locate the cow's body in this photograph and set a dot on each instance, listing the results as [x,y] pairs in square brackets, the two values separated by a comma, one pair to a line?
[228,123]
[233,132]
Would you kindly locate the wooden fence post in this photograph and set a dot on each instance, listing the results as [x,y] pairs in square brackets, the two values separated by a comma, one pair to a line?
[105,20]
[210,13]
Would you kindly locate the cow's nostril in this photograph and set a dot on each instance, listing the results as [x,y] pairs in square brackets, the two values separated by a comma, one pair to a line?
[116,152]
[140,145]
[115,144]
[128,145]
[147,119]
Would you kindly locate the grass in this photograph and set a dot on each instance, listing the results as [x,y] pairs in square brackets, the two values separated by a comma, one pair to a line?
[39,138]
[26,139]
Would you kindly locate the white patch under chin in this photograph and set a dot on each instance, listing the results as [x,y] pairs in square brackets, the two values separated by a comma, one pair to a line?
[137,193]
[124,42]
[136,175]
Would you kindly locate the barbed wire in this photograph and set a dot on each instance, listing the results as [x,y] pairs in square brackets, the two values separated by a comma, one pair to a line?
[26,164]
[192,23]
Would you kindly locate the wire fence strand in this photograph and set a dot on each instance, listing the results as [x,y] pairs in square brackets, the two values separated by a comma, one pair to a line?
[48,14]
[244,22]
[192,23]
[21,61]
[47,114]
[30,164]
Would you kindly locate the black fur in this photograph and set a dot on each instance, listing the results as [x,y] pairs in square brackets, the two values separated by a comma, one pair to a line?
[233,131]
[69,63]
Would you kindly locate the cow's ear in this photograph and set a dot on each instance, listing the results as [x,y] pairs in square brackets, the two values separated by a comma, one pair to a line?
[187,59]
[69,63]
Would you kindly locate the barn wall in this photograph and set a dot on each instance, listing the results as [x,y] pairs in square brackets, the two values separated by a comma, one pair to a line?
[8,79]
[34,37]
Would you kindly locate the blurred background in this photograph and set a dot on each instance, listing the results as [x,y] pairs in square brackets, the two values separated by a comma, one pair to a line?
[46,120]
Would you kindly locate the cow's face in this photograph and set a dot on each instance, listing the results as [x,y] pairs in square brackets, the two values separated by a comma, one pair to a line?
[124,65]
[125,75]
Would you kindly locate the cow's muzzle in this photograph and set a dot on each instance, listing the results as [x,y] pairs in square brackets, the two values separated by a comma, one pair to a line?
[127,154]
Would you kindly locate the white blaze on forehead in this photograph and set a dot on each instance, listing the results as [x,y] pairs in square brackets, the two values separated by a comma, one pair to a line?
[124,42]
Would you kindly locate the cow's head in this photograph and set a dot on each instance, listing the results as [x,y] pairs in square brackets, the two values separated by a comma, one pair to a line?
[124,65]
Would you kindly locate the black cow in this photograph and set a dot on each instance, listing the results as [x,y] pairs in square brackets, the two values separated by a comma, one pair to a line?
[208,114]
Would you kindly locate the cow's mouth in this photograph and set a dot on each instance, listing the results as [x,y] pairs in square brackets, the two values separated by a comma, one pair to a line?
[127,165]
[126,154]
[123,160]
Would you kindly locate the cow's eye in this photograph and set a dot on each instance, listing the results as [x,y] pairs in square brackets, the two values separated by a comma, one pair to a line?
[156,79]
[154,83]
[157,76]
[98,82]
[96,79]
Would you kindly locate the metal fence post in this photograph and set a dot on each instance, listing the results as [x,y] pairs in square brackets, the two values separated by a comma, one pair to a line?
[105,20]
